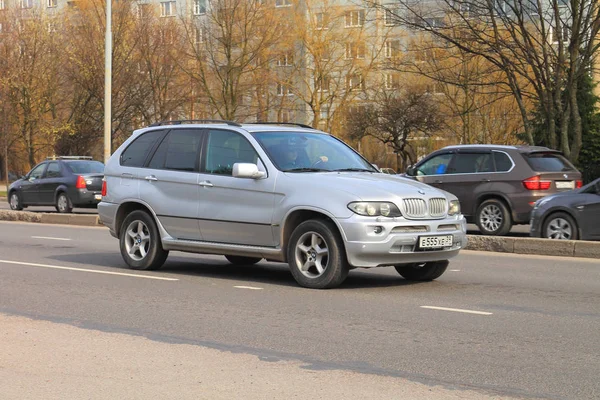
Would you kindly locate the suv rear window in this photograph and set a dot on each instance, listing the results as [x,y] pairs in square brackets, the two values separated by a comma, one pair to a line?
[548,162]
[85,167]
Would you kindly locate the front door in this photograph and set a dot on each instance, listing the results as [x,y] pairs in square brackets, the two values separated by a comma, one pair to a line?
[49,182]
[432,171]
[234,210]
[169,183]
[589,213]
[30,187]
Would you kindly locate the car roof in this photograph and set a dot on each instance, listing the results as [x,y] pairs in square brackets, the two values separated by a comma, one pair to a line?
[519,148]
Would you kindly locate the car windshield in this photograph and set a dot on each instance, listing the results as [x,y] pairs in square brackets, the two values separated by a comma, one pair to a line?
[310,152]
[85,167]
[548,162]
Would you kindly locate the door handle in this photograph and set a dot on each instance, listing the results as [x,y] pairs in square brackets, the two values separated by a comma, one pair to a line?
[151,178]
[206,184]
[438,181]
[485,180]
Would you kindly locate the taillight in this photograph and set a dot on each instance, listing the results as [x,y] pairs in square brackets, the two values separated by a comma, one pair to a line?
[80,182]
[578,184]
[104,188]
[535,183]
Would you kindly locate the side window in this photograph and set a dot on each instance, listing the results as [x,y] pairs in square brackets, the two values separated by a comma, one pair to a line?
[53,170]
[470,163]
[226,148]
[178,151]
[435,166]
[503,162]
[37,172]
[135,154]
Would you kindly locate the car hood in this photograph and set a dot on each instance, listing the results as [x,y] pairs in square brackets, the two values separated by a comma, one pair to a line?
[370,186]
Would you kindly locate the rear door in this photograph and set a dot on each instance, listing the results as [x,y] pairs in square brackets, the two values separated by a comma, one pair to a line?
[30,187]
[555,168]
[589,212]
[49,182]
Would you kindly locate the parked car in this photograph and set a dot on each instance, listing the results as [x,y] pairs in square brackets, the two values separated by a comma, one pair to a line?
[570,215]
[63,182]
[497,185]
[281,193]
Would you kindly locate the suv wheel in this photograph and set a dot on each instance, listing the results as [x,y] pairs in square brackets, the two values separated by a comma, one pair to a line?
[493,218]
[15,202]
[63,203]
[140,243]
[316,255]
[560,226]
[422,271]
[238,260]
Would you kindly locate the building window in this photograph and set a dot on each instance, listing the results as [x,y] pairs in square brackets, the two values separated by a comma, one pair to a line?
[355,50]
[392,81]
[2,5]
[322,84]
[355,82]
[284,90]
[321,21]
[355,18]
[26,3]
[392,48]
[285,60]
[285,116]
[52,3]
[434,23]
[389,17]
[199,7]
[324,112]
[168,8]
[283,3]
[198,35]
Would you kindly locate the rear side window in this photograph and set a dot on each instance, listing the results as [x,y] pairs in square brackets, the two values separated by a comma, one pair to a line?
[85,167]
[503,162]
[470,163]
[548,162]
[179,151]
[136,153]
[53,170]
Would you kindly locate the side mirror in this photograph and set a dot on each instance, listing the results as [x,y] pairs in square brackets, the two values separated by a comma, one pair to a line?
[247,171]
[410,171]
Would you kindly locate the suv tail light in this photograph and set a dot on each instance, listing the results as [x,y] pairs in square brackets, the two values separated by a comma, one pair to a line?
[80,183]
[104,188]
[535,183]
[578,184]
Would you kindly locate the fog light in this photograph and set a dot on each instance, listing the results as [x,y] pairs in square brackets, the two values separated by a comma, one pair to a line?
[378,229]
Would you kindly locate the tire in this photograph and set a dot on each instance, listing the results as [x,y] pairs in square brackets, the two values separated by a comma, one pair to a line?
[239,260]
[560,226]
[140,243]
[63,203]
[15,201]
[493,218]
[312,244]
[422,271]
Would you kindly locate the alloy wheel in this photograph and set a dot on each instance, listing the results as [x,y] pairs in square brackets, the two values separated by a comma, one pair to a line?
[137,240]
[491,217]
[312,255]
[14,201]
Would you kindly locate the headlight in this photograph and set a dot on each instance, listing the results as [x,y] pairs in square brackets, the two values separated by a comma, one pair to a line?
[454,207]
[375,209]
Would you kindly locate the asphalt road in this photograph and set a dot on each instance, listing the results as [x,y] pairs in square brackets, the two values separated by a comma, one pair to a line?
[529,326]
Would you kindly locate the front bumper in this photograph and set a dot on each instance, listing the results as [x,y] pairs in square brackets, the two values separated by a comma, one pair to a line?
[397,242]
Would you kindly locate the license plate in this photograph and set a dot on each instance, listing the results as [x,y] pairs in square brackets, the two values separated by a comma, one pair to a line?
[565,184]
[435,242]
[98,196]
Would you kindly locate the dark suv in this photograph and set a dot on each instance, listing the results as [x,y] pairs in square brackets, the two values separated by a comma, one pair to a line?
[497,185]
[63,182]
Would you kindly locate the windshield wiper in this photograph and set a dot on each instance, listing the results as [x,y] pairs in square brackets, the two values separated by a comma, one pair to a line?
[353,170]
[306,170]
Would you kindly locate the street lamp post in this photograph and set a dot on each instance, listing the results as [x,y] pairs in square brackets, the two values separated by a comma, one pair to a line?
[108,82]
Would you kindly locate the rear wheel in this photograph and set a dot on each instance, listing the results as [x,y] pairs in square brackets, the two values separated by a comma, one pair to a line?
[316,255]
[493,218]
[63,203]
[239,260]
[560,226]
[422,271]
[140,243]
[15,202]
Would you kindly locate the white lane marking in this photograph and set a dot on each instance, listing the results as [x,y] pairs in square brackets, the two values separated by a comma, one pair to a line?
[455,270]
[48,237]
[248,287]
[86,270]
[457,310]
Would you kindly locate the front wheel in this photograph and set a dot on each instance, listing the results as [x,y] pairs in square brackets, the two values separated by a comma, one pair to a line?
[15,202]
[493,218]
[422,271]
[140,243]
[63,204]
[316,255]
[560,226]
[239,260]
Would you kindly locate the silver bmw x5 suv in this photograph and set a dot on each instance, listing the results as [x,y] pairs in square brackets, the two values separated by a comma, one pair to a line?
[283,193]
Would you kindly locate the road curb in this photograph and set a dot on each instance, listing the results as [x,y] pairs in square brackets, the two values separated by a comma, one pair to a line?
[49,218]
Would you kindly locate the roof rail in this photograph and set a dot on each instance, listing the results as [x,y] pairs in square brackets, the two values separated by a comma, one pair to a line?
[69,158]
[283,123]
[196,121]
